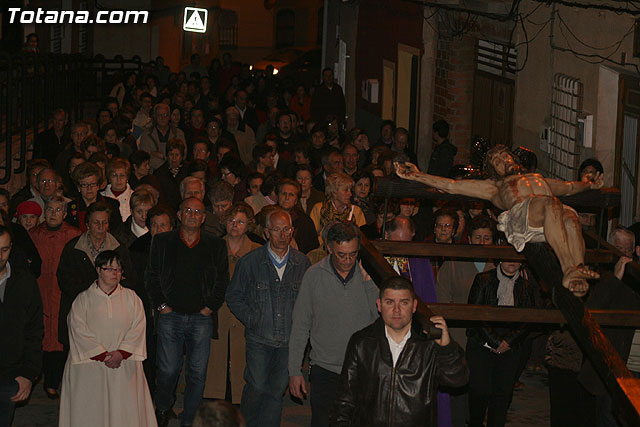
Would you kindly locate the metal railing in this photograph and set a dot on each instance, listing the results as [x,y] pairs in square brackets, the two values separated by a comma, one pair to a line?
[32,86]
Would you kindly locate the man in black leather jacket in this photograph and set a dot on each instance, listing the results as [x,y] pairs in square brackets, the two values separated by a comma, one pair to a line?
[392,371]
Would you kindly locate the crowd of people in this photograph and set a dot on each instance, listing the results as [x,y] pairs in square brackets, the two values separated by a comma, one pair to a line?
[211,220]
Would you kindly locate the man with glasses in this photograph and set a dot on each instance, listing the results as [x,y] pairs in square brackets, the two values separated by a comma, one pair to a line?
[336,299]
[261,295]
[186,279]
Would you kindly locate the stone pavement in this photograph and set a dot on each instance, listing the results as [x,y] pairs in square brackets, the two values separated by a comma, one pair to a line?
[530,407]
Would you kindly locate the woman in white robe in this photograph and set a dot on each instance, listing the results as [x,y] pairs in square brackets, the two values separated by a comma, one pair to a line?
[103,383]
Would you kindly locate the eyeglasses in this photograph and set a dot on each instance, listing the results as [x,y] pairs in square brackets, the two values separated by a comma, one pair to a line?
[112,270]
[88,185]
[56,211]
[47,181]
[444,226]
[189,211]
[278,230]
[343,256]
[236,222]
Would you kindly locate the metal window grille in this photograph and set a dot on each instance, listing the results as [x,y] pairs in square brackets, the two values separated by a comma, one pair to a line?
[228,29]
[566,106]
[83,31]
[57,33]
[496,58]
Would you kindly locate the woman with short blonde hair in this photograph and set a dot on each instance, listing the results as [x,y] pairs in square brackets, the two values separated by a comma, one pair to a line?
[337,205]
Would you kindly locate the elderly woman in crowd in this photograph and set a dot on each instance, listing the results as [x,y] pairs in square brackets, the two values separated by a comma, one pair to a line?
[88,178]
[103,382]
[76,270]
[362,194]
[50,238]
[135,226]
[239,220]
[118,176]
[337,206]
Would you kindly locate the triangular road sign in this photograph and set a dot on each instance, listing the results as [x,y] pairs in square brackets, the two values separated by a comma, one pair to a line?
[195,19]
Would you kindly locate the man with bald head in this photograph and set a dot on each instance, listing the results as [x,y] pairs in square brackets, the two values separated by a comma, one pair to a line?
[261,295]
[186,279]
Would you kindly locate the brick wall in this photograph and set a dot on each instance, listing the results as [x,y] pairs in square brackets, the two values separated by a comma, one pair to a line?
[454,82]
[453,100]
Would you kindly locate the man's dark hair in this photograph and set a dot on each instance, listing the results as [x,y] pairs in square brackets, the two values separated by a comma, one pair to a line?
[318,128]
[388,123]
[220,192]
[4,228]
[446,212]
[441,127]
[270,182]
[327,69]
[4,192]
[146,95]
[159,210]
[287,181]
[397,283]
[139,157]
[96,207]
[299,168]
[595,163]
[260,151]
[482,221]
[234,165]
[343,232]
[107,257]
[303,147]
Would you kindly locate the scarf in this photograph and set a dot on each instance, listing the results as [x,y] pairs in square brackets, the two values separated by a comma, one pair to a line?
[329,214]
[505,288]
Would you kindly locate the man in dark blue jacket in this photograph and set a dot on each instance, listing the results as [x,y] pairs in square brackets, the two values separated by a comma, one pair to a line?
[261,295]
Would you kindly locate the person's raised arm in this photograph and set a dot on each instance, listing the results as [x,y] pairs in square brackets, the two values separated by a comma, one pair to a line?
[482,189]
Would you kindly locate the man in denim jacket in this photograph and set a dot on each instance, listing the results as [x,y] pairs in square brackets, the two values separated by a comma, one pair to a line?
[261,295]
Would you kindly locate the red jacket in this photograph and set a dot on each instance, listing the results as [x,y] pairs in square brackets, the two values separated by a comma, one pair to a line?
[50,244]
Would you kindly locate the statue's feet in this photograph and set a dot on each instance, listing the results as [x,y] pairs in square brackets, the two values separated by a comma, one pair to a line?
[575,279]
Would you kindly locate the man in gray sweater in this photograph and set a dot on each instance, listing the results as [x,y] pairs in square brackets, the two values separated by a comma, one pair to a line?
[336,298]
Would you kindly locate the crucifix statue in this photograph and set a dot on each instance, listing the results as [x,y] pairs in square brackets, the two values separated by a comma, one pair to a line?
[532,213]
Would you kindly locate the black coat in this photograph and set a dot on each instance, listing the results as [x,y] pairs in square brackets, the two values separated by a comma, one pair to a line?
[304,231]
[373,393]
[170,184]
[160,278]
[21,327]
[76,273]
[78,205]
[48,146]
[441,159]
[484,291]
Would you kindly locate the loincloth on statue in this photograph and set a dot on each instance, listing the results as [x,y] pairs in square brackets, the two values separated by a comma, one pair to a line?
[514,223]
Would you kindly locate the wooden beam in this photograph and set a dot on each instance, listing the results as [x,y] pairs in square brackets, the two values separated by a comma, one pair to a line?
[396,187]
[389,247]
[587,333]
[486,313]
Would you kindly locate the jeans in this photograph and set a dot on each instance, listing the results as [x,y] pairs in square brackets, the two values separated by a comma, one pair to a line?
[8,389]
[324,385]
[267,377]
[491,380]
[175,332]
